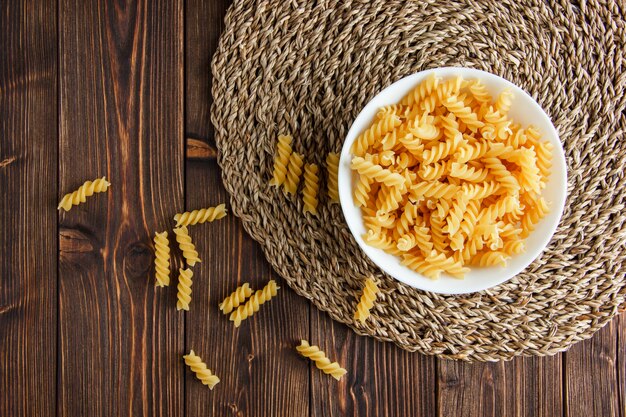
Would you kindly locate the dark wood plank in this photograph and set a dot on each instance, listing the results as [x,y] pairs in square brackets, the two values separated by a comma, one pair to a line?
[259,370]
[382,379]
[28,221]
[121,340]
[621,363]
[260,373]
[521,387]
[591,375]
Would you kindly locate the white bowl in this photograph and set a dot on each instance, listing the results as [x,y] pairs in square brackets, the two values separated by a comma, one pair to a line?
[525,111]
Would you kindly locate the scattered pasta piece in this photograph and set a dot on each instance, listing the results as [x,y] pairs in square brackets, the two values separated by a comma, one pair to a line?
[321,361]
[198,367]
[310,188]
[446,179]
[162,259]
[332,166]
[283,152]
[208,214]
[294,171]
[252,305]
[236,298]
[367,300]
[184,289]
[88,188]
[186,245]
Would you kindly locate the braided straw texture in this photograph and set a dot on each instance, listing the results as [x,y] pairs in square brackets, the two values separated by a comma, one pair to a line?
[308,68]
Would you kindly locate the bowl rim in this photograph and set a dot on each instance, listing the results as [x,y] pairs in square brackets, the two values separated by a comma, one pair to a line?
[413,278]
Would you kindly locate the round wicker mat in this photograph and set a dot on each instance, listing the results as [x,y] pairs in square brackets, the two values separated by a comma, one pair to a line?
[308,67]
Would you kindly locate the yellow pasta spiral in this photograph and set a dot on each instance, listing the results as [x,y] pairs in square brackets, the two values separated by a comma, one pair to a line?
[467,173]
[162,259]
[376,172]
[186,245]
[252,305]
[481,190]
[490,258]
[479,91]
[332,165]
[236,298]
[434,189]
[88,188]
[420,92]
[294,170]
[321,361]
[434,171]
[367,300]
[378,129]
[499,171]
[498,209]
[309,194]
[381,241]
[532,216]
[504,101]
[463,113]
[283,151]
[361,191]
[184,289]
[200,216]
[441,150]
[203,373]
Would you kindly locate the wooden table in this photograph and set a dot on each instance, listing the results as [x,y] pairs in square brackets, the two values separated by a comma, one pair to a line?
[122,89]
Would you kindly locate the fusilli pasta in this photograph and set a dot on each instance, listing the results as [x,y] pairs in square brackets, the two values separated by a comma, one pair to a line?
[88,189]
[208,214]
[254,302]
[367,300]
[236,298]
[162,259]
[198,367]
[283,152]
[186,245]
[184,289]
[446,179]
[321,361]
[311,186]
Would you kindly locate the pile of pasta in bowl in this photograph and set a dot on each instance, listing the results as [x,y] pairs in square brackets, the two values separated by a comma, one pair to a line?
[446,180]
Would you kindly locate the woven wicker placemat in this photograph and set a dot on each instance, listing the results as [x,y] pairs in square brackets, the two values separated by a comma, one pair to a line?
[308,67]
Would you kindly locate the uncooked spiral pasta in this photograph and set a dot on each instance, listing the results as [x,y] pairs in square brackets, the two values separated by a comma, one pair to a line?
[370,290]
[294,171]
[424,89]
[162,259]
[204,374]
[309,193]
[186,245]
[375,132]
[236,298]
[208,214]
[88,189]
[184,289]
[332,166]
[446,178]
[376,172]
[254,302]
[321,361]
[283,152]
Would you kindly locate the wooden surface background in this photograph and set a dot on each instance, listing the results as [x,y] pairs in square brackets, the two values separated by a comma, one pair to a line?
[122,88]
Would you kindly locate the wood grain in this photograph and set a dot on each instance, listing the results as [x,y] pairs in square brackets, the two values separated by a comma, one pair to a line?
[621,363]
[28,221]
[591,375]
[259,370]
[382,379]
[521,387]
[121,88]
